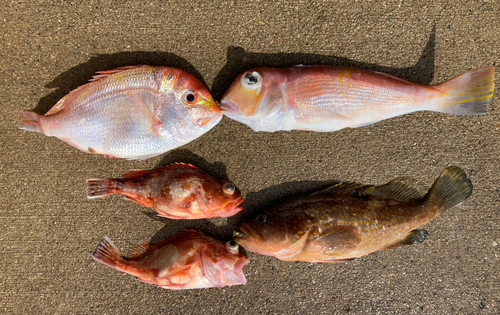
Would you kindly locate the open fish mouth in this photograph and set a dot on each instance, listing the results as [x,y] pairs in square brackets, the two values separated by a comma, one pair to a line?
[233,207]
[244,233]
[229,106]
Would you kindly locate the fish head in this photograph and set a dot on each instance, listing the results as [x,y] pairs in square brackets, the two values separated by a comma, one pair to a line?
[256,99]
[221,198]
[197,101]
[223,263]
[276,234]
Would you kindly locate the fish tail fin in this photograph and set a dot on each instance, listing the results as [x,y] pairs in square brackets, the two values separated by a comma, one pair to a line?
[108,254]
[469,93]
[30,121]
[450,189]
[97,187]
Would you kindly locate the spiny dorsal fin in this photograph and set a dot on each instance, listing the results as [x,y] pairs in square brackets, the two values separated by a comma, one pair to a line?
[62,102]
[403,189]
[184,164]
[341,189]
[104,74]
[139,249]
[134,174]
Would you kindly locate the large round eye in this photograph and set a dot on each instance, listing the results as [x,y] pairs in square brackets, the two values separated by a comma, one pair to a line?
[232,247]
[251,80]
[262,218]
[190,97]
[228,188]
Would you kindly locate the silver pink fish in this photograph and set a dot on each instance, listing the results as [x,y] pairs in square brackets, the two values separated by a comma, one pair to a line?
[132,112]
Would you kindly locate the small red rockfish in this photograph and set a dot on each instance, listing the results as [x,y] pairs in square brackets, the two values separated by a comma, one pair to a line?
[176,191]
[347,221]
[322,98]
[189,260]
[134,112]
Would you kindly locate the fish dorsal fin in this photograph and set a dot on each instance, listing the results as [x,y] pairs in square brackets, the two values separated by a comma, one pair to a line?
[139,249]
[184,164]
[341,189]
[100,75]
[104,74]
[63,101]
[134,174]
[402,189]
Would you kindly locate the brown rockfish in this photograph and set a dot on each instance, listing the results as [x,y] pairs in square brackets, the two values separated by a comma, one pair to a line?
[349,220]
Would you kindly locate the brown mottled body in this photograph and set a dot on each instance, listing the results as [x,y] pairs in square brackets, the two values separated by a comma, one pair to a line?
[176,191]
[348,221]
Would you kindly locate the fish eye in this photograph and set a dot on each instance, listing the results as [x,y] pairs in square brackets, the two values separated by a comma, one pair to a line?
[232,247]
[262,218]
[251,80]
[228,188]
[189,97]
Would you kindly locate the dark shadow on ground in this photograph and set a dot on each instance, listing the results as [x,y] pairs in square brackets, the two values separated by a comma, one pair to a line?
[238,61]
[81,74]
[255,203]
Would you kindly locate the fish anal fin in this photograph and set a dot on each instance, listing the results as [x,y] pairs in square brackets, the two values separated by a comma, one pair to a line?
[413,238]
[138,249]
[402,189]
[143,201]
[339,241]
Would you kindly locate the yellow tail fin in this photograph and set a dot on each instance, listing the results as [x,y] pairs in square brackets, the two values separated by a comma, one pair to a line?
[469,93]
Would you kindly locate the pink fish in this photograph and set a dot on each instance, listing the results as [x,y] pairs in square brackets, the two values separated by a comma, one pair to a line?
[131,112]
[176,191]
[322,98]
[189,260]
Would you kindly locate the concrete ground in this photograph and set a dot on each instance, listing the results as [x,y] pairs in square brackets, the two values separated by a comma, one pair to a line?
[48,228]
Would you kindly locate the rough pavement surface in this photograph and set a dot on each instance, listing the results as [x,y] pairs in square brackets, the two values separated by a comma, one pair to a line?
[48,228]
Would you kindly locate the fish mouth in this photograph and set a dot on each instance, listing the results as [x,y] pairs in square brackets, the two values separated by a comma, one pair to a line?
[229,106]
[233,207]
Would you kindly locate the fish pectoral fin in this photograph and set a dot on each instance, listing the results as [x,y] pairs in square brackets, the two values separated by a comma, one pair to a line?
[339,240]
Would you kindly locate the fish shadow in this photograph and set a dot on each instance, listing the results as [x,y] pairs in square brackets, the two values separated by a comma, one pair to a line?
[216,169]
[239,60]
[255,202]
[81,74]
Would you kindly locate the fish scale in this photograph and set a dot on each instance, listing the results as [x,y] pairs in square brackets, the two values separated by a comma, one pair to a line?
[347,221]
[131,112]
[328,98]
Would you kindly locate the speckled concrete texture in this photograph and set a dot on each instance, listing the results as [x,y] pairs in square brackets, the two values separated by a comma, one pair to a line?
[48,228]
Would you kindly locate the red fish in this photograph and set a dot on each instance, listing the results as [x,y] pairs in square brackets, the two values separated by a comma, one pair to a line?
[189,260]
[347,221]
[322,98]
[176,191]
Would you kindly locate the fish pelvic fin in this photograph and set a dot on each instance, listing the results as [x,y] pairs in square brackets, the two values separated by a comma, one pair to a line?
[30,121]
[97,188]
[450,189]
[469,93]
[108,254]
